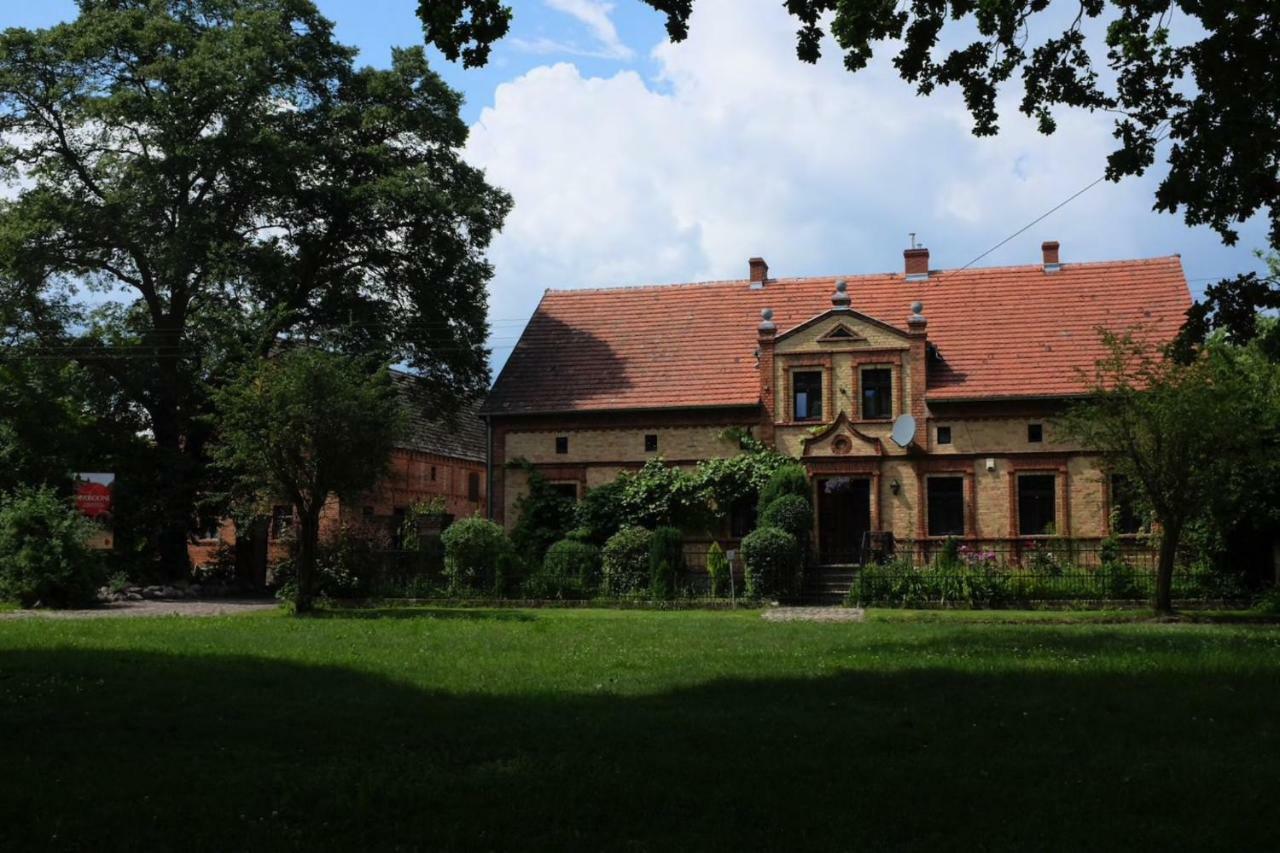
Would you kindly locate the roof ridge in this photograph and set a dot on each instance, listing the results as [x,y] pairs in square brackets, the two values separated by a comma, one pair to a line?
[835,276]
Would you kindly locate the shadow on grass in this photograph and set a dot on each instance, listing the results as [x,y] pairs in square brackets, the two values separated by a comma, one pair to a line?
[133,750]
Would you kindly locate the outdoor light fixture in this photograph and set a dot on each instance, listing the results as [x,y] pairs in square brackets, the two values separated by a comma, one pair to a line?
[895,486]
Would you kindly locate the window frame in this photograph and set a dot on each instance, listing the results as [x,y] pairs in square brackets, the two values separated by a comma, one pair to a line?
[651,442]
[938,433]
[962,513]
[1141,525]
[809,370]
[887,370]
[562,445]
[473,486]
[563,485]
[1035,433]
[1019,478]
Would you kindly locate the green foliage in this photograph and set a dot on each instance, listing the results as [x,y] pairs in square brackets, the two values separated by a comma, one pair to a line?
[1269,602]
[473,550]
[43,557]
[410,529]
[543,516]
[306,424]
[949,556]
[625,561]
[660,495]
[772,558]
[792,513]
[579,561]
[666,561]
[600,513]
[155,150]
[789,479]
[717,570]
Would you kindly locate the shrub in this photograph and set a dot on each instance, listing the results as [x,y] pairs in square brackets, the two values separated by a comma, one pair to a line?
[577,560]
[667,545]
[543,517]
[662,581]
[44,558]
[791,513]
[473,549]
[772,558]
[717,569]
[949,556]
[546,584]
[600,513]
[790,479]
[625,561]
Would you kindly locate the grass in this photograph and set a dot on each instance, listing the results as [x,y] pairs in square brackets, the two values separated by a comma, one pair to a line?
[500,729]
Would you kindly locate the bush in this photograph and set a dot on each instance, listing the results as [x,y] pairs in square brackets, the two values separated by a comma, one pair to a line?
[666,561]
[717,570]
[772,558]
[546,584]
[625,561]
[600,513]
[473,549]
[44,558]
[543,517]
[790,479]
[578,560]
[791,513]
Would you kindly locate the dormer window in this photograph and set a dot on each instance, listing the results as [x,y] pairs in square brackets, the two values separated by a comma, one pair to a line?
[806,395]
[877,393]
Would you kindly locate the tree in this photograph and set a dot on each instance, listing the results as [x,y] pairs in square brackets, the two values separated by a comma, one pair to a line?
[1177,432]
[1225,133]
[222,169]
[303,426]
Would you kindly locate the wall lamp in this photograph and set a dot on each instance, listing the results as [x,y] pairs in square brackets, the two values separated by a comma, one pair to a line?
[895,486]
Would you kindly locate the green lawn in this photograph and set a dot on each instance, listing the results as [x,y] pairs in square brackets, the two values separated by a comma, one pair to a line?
[676,731]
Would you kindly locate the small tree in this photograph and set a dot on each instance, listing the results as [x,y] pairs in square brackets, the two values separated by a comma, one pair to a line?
[303,426]
[717,570]
[1175,431]
[43,555]
[666,560]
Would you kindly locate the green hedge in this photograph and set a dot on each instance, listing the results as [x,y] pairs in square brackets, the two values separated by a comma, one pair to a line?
[772,558]
[625,561]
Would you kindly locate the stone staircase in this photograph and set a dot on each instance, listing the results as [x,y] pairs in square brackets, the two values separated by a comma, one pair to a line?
[827,584]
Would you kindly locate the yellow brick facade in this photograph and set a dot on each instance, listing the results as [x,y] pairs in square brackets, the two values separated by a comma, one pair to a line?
[989,448]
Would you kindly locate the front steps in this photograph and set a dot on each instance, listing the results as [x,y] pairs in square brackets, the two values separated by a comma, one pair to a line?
[827,585]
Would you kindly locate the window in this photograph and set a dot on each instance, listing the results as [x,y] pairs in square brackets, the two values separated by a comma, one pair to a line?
[566,490]
[473,486]
[946,505]
[742,517]
[1035,433]
[806,395]
[281,520]
[650,443]
[562,444]
[1037,504]
[944,435]
[1125,519]
[877,393]
[433,473]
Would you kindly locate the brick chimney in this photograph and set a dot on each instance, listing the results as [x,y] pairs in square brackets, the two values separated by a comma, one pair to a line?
[1050,250]
[917,263]
[759,272]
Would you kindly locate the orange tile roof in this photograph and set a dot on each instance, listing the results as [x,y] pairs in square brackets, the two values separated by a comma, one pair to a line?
[1001,332]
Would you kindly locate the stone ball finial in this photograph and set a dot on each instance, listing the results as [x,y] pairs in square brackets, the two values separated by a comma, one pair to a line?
[842,286]
[766,314]
[917,307]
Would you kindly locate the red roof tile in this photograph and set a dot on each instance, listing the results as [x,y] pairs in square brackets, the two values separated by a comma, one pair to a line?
[1001,332]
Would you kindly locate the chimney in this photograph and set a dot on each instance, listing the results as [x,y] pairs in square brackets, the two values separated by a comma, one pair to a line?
[917,263]
[759,272]
[1050,250]
[840,299]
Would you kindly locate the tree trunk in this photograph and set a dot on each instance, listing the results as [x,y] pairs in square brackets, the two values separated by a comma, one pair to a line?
[1164,569]
[308,541]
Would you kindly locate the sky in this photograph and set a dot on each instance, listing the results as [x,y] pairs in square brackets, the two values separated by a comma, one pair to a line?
[632,160]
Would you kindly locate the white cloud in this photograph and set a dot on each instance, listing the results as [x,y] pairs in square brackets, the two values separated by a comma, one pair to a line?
[737,149]
[593,14]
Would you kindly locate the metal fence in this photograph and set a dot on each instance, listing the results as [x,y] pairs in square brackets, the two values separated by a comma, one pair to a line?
[993,572]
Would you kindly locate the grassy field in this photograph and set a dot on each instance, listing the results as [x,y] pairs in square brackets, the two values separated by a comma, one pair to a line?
[452,729]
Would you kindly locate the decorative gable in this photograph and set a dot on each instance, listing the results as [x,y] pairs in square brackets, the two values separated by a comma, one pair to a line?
[840,438]
[841,334]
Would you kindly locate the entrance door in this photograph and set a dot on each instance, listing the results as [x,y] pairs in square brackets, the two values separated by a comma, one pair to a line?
[844,515]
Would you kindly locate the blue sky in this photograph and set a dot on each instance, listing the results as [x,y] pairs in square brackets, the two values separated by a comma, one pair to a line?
[633,161]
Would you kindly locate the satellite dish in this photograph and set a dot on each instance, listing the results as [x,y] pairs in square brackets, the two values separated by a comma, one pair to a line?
[904,430]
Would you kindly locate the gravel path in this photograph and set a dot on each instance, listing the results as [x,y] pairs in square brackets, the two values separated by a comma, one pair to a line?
[151,607]
[814,614]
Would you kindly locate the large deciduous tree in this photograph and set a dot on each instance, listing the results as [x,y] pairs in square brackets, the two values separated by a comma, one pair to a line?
[303,426]
[1184,434]
[227,176]
[1201,74]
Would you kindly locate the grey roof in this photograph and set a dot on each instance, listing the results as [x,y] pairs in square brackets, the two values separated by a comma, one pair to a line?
[462,437]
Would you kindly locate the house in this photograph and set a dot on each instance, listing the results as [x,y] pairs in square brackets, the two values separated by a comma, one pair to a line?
[828,370]
[434,458]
